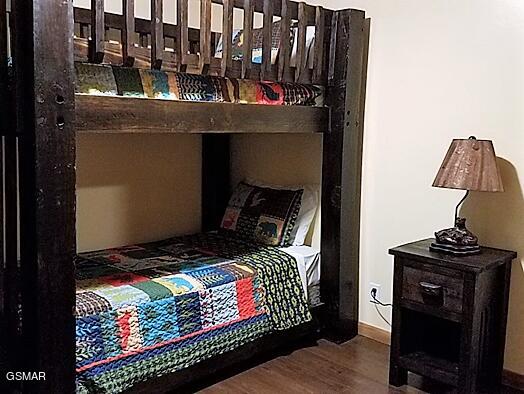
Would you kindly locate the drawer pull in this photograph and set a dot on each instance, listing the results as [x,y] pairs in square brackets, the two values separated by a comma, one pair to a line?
[432,294]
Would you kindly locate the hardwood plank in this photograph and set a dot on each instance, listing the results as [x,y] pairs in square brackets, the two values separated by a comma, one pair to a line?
[248,39]
[227,41]
[99,114]
[205,36]
[128,33]
[96,54]
[157,34]
[285,42]
[45,111]
[301,56]
[318,53]
[375,333]
[182,39]
[267,38]
[357,366]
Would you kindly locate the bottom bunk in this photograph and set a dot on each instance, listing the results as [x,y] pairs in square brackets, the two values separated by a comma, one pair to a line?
[149,310]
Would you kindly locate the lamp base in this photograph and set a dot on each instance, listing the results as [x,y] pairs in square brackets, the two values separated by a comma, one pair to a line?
[457,240]
[455,250]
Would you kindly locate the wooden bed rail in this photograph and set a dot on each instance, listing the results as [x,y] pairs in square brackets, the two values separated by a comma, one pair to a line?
[125,39]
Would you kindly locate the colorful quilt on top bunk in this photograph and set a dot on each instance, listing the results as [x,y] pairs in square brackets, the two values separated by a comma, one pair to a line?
[150,309]
[133,82]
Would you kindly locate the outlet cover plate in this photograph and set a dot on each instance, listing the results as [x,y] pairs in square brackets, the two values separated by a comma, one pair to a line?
[373,285]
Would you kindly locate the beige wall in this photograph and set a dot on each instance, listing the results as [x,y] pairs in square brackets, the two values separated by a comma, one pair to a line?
[136,188]
[280,160]
[440,70]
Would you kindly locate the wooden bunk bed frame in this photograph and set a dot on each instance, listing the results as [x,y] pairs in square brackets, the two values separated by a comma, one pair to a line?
[40,116]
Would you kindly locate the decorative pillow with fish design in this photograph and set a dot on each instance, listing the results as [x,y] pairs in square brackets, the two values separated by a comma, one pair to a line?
[262,214]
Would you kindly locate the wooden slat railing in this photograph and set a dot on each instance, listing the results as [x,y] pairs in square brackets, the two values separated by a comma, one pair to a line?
[157,34]
[182,34]
[227,31]
[318,54]
[267,39]
[205,36]
[178,47]
[248,38]
[301,41]
[97,42]
[128,32]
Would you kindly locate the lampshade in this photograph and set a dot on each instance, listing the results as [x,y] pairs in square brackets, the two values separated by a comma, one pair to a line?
[470,165]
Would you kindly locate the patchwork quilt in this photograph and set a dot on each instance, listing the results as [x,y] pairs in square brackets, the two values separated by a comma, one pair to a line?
[147,310]
[133,82]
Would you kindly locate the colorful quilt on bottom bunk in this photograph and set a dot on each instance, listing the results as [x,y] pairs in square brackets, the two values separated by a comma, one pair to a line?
[109,80]
[147,310]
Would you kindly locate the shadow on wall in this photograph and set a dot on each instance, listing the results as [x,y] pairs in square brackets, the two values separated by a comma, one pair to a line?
[498,220]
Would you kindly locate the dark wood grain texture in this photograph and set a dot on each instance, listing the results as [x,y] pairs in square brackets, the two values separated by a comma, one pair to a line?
[285,43]
[182,37]
[247,45]
[96,48]
[98,114]
[45,118]
[157,34]
[301,56]
[318,53]
[341,177]
[10,342]
[216,182]
[487,259]
[128,33]
[460,339]
[205,36]
[267,39]
[227,41]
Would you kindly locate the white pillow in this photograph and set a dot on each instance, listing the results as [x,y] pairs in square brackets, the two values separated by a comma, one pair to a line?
[308,208]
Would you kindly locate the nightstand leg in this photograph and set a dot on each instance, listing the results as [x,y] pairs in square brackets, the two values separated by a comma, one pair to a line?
[397,376]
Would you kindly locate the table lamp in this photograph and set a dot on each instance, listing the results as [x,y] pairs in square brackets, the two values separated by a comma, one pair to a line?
[470,164]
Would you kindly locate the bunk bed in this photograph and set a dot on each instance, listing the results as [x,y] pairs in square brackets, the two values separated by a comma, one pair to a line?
[44,105]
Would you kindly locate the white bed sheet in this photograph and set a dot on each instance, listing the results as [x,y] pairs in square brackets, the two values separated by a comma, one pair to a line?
[308,263]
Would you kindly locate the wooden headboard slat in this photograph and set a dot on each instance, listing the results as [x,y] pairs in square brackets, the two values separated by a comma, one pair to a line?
[96,49]
[128,44]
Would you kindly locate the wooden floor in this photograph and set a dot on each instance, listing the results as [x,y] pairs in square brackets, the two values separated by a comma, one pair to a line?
[357,366]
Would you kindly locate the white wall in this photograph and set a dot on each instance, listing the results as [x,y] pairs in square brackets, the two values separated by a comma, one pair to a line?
[440,70]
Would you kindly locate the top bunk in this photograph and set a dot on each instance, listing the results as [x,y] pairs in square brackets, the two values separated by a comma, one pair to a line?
[267,68]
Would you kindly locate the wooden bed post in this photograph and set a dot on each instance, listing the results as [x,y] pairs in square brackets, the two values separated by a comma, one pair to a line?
[341,174]
[45,110]
[215,178]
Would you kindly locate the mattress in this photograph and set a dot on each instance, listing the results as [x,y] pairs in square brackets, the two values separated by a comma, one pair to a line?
[95,79]
[146,310]
[308,264]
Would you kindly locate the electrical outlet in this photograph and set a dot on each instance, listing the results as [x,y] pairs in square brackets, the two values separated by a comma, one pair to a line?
[371,287]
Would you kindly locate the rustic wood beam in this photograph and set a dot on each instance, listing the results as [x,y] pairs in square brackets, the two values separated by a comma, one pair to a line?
[216,182]
[45,111]
[341,177]
[103,114]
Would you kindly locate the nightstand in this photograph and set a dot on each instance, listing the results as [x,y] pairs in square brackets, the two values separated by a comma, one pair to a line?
[449,316]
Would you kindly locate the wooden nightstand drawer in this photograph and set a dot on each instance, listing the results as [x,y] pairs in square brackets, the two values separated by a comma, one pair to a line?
[433,289]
